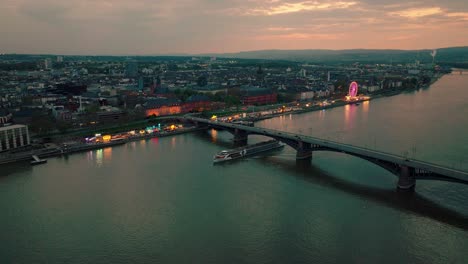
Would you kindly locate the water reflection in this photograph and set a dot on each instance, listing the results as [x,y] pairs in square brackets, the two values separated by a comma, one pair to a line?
[214,135]
[107,154]
[349,116]
[14,168]
[99,155]
[90,155]
[409,201]
[321,114]
[131,145]
[365,106]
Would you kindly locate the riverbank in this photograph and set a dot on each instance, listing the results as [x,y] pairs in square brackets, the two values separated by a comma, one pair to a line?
[76,147]
[339,103]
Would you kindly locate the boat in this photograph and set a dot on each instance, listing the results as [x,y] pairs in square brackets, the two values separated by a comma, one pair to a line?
[36,160]
[243,123]
[248,150]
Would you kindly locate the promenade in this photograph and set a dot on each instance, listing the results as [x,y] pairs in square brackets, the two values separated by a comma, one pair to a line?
[67,149]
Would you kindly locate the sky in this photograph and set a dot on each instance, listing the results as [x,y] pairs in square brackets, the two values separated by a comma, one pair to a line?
[153,27]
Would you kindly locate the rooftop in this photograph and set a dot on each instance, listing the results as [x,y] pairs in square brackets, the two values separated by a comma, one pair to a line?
[11,127]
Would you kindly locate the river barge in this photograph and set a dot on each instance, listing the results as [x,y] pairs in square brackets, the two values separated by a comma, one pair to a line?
[248,150]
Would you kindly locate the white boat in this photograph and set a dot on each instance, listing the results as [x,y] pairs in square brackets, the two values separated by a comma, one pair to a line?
[248,150]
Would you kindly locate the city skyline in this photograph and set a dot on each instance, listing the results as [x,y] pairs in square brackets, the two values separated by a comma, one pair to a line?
[204,26]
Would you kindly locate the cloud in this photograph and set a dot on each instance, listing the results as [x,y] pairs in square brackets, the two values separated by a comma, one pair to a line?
[192,26]
[417,12]
[298,36]
[401,5]
[280,28]
[286,8]
[402,37]
[459,15]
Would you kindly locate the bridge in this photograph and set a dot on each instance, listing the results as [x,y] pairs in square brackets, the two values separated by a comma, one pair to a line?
[407,170]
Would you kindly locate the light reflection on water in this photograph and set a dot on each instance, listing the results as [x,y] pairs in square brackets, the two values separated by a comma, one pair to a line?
[107,154]
[365,106]
[99,155]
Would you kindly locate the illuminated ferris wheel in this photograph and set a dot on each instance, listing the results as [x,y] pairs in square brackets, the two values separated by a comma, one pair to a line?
[353,89]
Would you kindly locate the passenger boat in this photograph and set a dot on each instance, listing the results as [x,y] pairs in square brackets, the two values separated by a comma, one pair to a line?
[243,123]
[247,150]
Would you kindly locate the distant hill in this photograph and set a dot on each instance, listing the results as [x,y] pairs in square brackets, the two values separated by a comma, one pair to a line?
[455,54]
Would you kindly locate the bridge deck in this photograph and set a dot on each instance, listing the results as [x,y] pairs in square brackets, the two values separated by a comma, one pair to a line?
[346,148]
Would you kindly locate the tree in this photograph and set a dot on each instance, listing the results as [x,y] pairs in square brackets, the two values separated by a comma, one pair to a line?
[42,123]
[63,126]
[232,101]
[93,108]
[172,67]
[202,81]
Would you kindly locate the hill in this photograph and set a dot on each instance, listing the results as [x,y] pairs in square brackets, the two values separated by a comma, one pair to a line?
[455,54]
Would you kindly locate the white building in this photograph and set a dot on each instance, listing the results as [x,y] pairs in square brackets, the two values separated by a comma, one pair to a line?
[306,95]
[47,64]
[303,73]
[13,136]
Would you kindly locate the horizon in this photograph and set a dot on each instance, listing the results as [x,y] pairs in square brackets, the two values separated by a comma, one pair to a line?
[232,26]
[213,53]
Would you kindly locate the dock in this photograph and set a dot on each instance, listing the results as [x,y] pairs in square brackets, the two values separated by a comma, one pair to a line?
[37,160]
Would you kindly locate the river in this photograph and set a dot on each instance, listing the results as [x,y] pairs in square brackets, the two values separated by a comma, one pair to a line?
[163,201]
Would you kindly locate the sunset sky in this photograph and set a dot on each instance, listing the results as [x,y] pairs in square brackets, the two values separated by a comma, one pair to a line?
[124,27]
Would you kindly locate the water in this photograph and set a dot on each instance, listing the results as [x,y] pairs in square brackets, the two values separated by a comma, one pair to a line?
[162,200]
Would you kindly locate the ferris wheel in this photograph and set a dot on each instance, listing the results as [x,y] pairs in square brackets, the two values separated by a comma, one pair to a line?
[353,89]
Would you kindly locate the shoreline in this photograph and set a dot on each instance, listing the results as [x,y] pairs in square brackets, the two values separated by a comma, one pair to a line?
[343,103]
[82,147]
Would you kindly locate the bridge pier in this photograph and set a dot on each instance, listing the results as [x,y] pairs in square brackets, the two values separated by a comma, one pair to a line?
[240,137]
[406,180]
[304,152]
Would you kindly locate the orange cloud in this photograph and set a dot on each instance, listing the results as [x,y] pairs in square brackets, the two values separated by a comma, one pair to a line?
[300,6]
[298,36]
[461,15]
[280,29]
[417,12]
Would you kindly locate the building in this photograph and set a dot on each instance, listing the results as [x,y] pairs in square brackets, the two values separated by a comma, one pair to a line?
[197,103]
[5,117]
[131,69]
[162,106]
[307,95]
[13,136]
[48,64]
[254,95]
[69,88]
[114,116]
[60,113]
[303,73]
